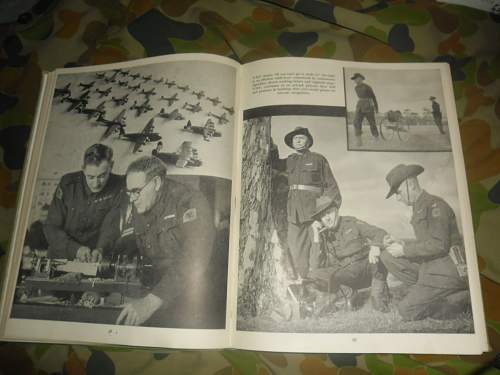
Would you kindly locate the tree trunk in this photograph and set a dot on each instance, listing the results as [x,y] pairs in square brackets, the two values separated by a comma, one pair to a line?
[262,280]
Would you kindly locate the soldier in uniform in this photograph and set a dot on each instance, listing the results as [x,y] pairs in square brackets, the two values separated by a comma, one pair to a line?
[436,114]
[436,289]
[175,231]
[345,258]
[309,177]
[80,204]
[365,107]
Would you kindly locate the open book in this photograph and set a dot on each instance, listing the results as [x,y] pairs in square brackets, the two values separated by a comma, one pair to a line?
[287,204]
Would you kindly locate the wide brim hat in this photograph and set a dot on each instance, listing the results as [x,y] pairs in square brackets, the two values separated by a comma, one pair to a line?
[297,131]
[400,173]
[356,75]
[323,204]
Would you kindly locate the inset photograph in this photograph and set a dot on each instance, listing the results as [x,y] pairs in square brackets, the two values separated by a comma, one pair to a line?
[395,110]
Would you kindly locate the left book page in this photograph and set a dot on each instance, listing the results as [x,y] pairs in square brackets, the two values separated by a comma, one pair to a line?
[122,233]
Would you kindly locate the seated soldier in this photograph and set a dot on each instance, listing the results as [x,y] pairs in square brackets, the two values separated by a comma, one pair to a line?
[345,258]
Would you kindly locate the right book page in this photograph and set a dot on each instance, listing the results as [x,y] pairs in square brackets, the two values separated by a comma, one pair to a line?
[355,227]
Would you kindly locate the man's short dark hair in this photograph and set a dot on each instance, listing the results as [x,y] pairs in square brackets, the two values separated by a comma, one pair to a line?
[151,166]
[96,154]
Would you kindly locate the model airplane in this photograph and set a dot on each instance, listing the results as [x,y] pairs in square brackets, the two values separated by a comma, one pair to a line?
[77,103]
[147,78]
[186,155]
[192,107]
[115,125]
[144,137]
[122,83]
[141,108]
[134,76]
[63,91]
[169,83]
[91,112]
[87,86]
[134,88]
[174,115]
[111,78]
[103,92]
[229,110]
[148,93]
[170,99]
[214,101]
[120,100]
[183,88]
[207,131]
[199,94]
[158,80]
[222,119]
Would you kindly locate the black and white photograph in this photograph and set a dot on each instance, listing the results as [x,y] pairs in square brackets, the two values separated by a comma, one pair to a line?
[333,241]
[395,110]
[129,220]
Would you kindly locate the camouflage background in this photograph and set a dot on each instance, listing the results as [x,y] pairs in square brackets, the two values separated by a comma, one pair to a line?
[85,32]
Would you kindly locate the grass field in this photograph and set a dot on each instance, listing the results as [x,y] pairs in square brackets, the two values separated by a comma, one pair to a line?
[421,138]
[363,320]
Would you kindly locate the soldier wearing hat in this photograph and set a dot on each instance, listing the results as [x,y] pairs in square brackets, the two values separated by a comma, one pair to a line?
[437,289]
[365,107]
[309,177]
[436,114]
[345,256]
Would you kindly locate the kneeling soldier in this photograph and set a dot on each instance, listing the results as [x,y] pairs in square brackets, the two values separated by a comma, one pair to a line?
[345,256]
[437,286]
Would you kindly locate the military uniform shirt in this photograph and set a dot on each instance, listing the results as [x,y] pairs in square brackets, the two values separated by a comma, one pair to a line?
[310,169]
[436,109]
[435,227]
[177,236]
[367,100]
[350,237]
[76,214]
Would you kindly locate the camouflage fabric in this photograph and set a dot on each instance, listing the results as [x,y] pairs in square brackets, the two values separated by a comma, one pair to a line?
[84,32]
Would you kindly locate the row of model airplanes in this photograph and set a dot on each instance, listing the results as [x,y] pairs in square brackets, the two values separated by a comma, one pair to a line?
[186,155]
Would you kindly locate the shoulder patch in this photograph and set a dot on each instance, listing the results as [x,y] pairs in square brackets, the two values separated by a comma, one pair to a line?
[189,215]
[435,212]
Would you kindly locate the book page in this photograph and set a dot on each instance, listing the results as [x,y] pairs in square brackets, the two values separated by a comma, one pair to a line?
[123,234]
[355,227]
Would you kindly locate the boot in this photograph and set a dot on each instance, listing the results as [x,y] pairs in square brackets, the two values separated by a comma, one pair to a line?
[380,296]
[348,298]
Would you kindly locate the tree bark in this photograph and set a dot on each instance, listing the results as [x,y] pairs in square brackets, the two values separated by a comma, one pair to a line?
[262,280]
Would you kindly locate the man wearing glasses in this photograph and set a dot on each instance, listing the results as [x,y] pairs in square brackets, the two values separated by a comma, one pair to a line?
[80,204]
[427,263]
[175,231]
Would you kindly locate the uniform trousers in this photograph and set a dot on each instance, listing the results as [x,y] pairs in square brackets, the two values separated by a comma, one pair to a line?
[438,121]
[357,275]
[424,300]
[358,122]
[300,242]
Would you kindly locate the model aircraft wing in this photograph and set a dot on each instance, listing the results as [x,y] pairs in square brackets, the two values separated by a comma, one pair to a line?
[149,127]
[121,117]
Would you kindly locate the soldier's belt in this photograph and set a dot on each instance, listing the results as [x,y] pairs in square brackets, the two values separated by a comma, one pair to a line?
[314,189]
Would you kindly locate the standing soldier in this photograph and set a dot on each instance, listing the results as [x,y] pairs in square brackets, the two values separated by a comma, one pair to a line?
[365,107]
[428,264]
[175,231]
[81,201]
[345,258]
[436,113]
[309,177]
